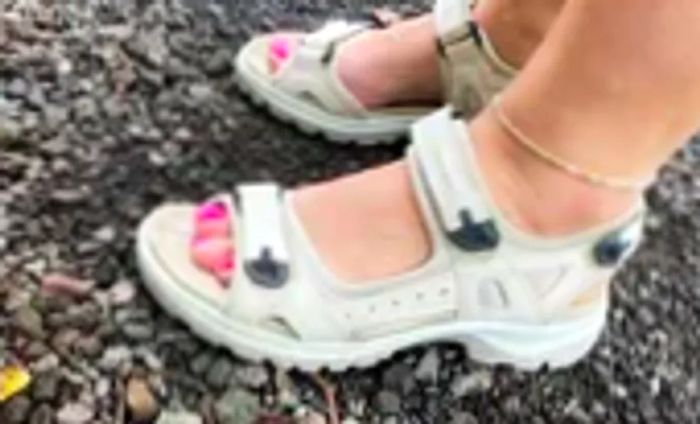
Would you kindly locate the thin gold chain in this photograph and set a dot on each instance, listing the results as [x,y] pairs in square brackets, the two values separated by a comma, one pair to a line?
[560,163]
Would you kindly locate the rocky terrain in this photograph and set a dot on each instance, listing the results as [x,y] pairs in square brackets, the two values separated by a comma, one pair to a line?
[108,107]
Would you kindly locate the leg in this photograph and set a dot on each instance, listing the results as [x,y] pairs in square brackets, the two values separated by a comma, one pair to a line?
[399,64]
[612,89]
[622,123]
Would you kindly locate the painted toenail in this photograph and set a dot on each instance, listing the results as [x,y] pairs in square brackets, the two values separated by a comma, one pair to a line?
[280,48]
[211,211]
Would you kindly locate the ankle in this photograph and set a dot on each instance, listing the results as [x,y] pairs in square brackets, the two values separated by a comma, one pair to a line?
[516,28]
[536,197]
[393,65]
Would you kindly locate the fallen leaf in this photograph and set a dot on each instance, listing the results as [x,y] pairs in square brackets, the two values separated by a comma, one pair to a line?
[13,379]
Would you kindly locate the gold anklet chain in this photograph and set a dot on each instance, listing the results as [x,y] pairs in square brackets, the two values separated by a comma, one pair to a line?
[560,163]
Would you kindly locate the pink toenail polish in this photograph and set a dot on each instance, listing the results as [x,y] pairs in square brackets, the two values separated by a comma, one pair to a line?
[211,211]
[279,47]
[226,264]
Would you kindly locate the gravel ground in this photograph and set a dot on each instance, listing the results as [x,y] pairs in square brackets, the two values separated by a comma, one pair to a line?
[108,107]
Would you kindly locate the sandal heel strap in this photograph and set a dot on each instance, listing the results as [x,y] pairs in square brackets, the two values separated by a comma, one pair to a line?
[471,68]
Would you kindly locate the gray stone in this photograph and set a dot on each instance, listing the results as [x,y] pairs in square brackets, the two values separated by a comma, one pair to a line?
[122,293]
[45,386]
[220,372]
[253,376]
[138,331]
[177,417]
[75,413]
[114,356]
[465,385]
[29,321]
[464,418]
[429,367]
[16,410]
[237,406]
[42,415]
[388,402]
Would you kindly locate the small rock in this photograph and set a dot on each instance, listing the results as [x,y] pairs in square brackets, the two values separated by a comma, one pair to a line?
[311,417]
[465,385]
[138,331]
[173,417]
[400,377]
[237,406]
[114,356]
[428,367]
[46,363]
[388,402]
[42,415]
[140,400]
[105,234]
[75,413]
[17,88]
[218,64]
[89,346]
[201,362]
[45,386]
[27,320]
[220,372]
[464,418]
[10,131]
[16,410]
[122,293]
[252,376]
[63,284]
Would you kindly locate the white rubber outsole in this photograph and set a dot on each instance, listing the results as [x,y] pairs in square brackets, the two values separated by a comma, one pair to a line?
[313,120]
[527,347]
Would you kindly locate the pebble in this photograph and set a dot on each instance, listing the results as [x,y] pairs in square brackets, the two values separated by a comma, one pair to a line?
[252,376]
[220,372]
[114,356]
[477,382]
[45,386]
[237,406]
[140,400]
[464,418]
[122,293]
[177,417]
[388,402]
[138,331]
[429,367]
[201,362]
[42,415]
[16,410]
[75,413]
[27,320]
[63,284]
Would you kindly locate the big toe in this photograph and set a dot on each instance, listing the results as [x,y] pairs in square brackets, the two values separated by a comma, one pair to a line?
[280,50]
[214,255]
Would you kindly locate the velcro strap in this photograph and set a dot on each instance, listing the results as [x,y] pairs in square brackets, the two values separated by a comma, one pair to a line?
[264,252]
[332,33]
[452,19]
[444,160]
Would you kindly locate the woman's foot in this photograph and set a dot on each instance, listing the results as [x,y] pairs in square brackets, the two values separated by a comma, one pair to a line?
[390,66]
[369,226]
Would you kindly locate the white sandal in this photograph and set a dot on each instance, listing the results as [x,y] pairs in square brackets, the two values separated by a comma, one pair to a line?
[509,297]
[308,92]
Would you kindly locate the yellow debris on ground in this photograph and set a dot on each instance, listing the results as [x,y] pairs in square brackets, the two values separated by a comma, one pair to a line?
[13,379]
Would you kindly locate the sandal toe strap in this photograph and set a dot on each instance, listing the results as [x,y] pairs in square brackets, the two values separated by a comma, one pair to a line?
[311,71]
[443,164]
[264,253]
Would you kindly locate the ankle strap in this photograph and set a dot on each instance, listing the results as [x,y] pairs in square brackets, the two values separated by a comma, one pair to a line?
[472,71]
[443,164]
